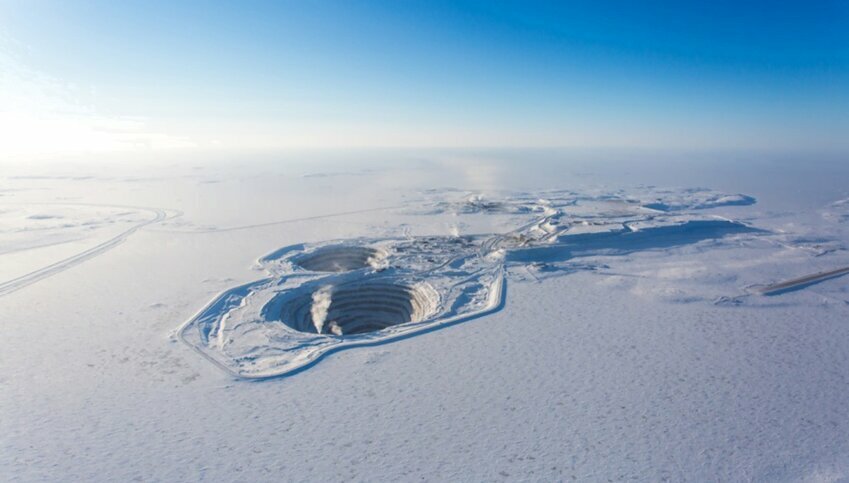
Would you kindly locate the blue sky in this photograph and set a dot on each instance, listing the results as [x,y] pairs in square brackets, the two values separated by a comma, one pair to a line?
[103,75]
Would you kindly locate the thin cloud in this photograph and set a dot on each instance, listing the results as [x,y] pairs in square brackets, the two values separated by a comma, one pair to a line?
[42,116]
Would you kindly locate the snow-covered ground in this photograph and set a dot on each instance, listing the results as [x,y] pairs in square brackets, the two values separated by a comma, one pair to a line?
[518,316]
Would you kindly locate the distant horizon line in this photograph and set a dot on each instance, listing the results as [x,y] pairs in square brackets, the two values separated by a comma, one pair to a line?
[165,153]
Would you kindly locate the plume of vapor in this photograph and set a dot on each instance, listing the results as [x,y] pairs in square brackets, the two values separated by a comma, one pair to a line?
[334,328]
[320,305]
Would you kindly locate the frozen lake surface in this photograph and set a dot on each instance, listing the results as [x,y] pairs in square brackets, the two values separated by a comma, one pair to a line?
[508,315]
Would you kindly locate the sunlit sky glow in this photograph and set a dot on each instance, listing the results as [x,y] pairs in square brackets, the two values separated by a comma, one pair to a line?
[103,76]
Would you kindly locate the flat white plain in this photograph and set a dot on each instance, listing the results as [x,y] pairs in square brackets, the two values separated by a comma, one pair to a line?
[662,363]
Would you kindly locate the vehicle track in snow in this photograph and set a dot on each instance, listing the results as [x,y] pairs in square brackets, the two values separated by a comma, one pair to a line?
[273,223]
[801,282]
[30,278]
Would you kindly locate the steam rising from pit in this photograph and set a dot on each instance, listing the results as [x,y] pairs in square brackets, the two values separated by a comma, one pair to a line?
[320,303]
[358,308]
